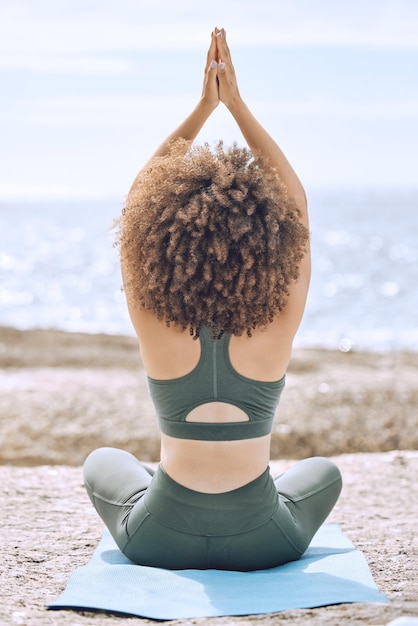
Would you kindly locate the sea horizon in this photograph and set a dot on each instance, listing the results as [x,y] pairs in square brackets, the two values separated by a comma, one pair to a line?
[59,268]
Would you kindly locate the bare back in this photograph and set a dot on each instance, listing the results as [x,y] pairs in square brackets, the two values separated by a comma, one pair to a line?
[169,353]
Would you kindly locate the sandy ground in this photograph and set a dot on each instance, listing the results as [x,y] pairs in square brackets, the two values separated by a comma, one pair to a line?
[61,395]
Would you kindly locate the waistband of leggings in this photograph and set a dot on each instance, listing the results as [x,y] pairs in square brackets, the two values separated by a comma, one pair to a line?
[195,512]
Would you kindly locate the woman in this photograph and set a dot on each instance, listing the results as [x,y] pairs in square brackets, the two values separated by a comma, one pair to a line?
[216,268]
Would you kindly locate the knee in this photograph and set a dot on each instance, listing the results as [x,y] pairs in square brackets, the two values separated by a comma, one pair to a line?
[324,468]
[328,474]
[95,464]
[308,477]
[334,473]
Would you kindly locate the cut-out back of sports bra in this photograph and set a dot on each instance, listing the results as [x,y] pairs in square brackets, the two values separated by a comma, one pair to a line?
[214,380]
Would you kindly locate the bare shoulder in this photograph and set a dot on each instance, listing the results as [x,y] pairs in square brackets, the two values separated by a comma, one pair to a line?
[265,355]
[167,351]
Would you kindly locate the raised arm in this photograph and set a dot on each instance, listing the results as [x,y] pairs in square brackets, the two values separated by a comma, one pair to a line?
[208,102]
[255,135]
[259,141]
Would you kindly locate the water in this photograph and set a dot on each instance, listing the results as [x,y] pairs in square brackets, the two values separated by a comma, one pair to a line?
[365,270]
[58,269]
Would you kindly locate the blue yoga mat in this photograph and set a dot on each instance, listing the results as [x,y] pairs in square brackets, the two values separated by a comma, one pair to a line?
[331,571]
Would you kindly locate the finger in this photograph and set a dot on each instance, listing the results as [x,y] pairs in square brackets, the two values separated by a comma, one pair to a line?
[223,48]
[212,52]
[212,69]
[215,33]
[211,73]
[221,68]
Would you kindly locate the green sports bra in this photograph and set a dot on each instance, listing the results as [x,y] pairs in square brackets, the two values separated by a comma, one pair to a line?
[215,380]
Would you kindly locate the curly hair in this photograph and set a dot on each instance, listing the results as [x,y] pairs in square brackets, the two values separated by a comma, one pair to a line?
[210,238]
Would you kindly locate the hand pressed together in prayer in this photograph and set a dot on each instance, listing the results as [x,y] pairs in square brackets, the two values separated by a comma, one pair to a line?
[220,82]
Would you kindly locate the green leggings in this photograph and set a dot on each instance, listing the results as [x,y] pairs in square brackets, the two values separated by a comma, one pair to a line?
[157,522]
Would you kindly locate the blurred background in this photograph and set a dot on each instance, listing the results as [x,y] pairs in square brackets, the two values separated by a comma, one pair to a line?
[89,89]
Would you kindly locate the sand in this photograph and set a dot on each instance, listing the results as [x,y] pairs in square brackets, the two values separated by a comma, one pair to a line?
[64,394]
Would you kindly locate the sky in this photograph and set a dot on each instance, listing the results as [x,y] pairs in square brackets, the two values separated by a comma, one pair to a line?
[89,88]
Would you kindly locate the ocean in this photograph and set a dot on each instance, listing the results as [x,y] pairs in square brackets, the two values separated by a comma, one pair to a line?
[59,269]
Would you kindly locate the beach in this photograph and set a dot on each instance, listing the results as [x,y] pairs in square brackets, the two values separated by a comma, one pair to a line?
[64,394]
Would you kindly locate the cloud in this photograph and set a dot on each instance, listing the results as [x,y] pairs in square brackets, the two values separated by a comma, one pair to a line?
[66,63]
[25,191]
[65,125]
[332,108]
[82,28]
[119,111]
[93,111]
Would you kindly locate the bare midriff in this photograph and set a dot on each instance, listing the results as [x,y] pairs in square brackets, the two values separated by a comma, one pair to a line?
[215,466]
[212,466]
